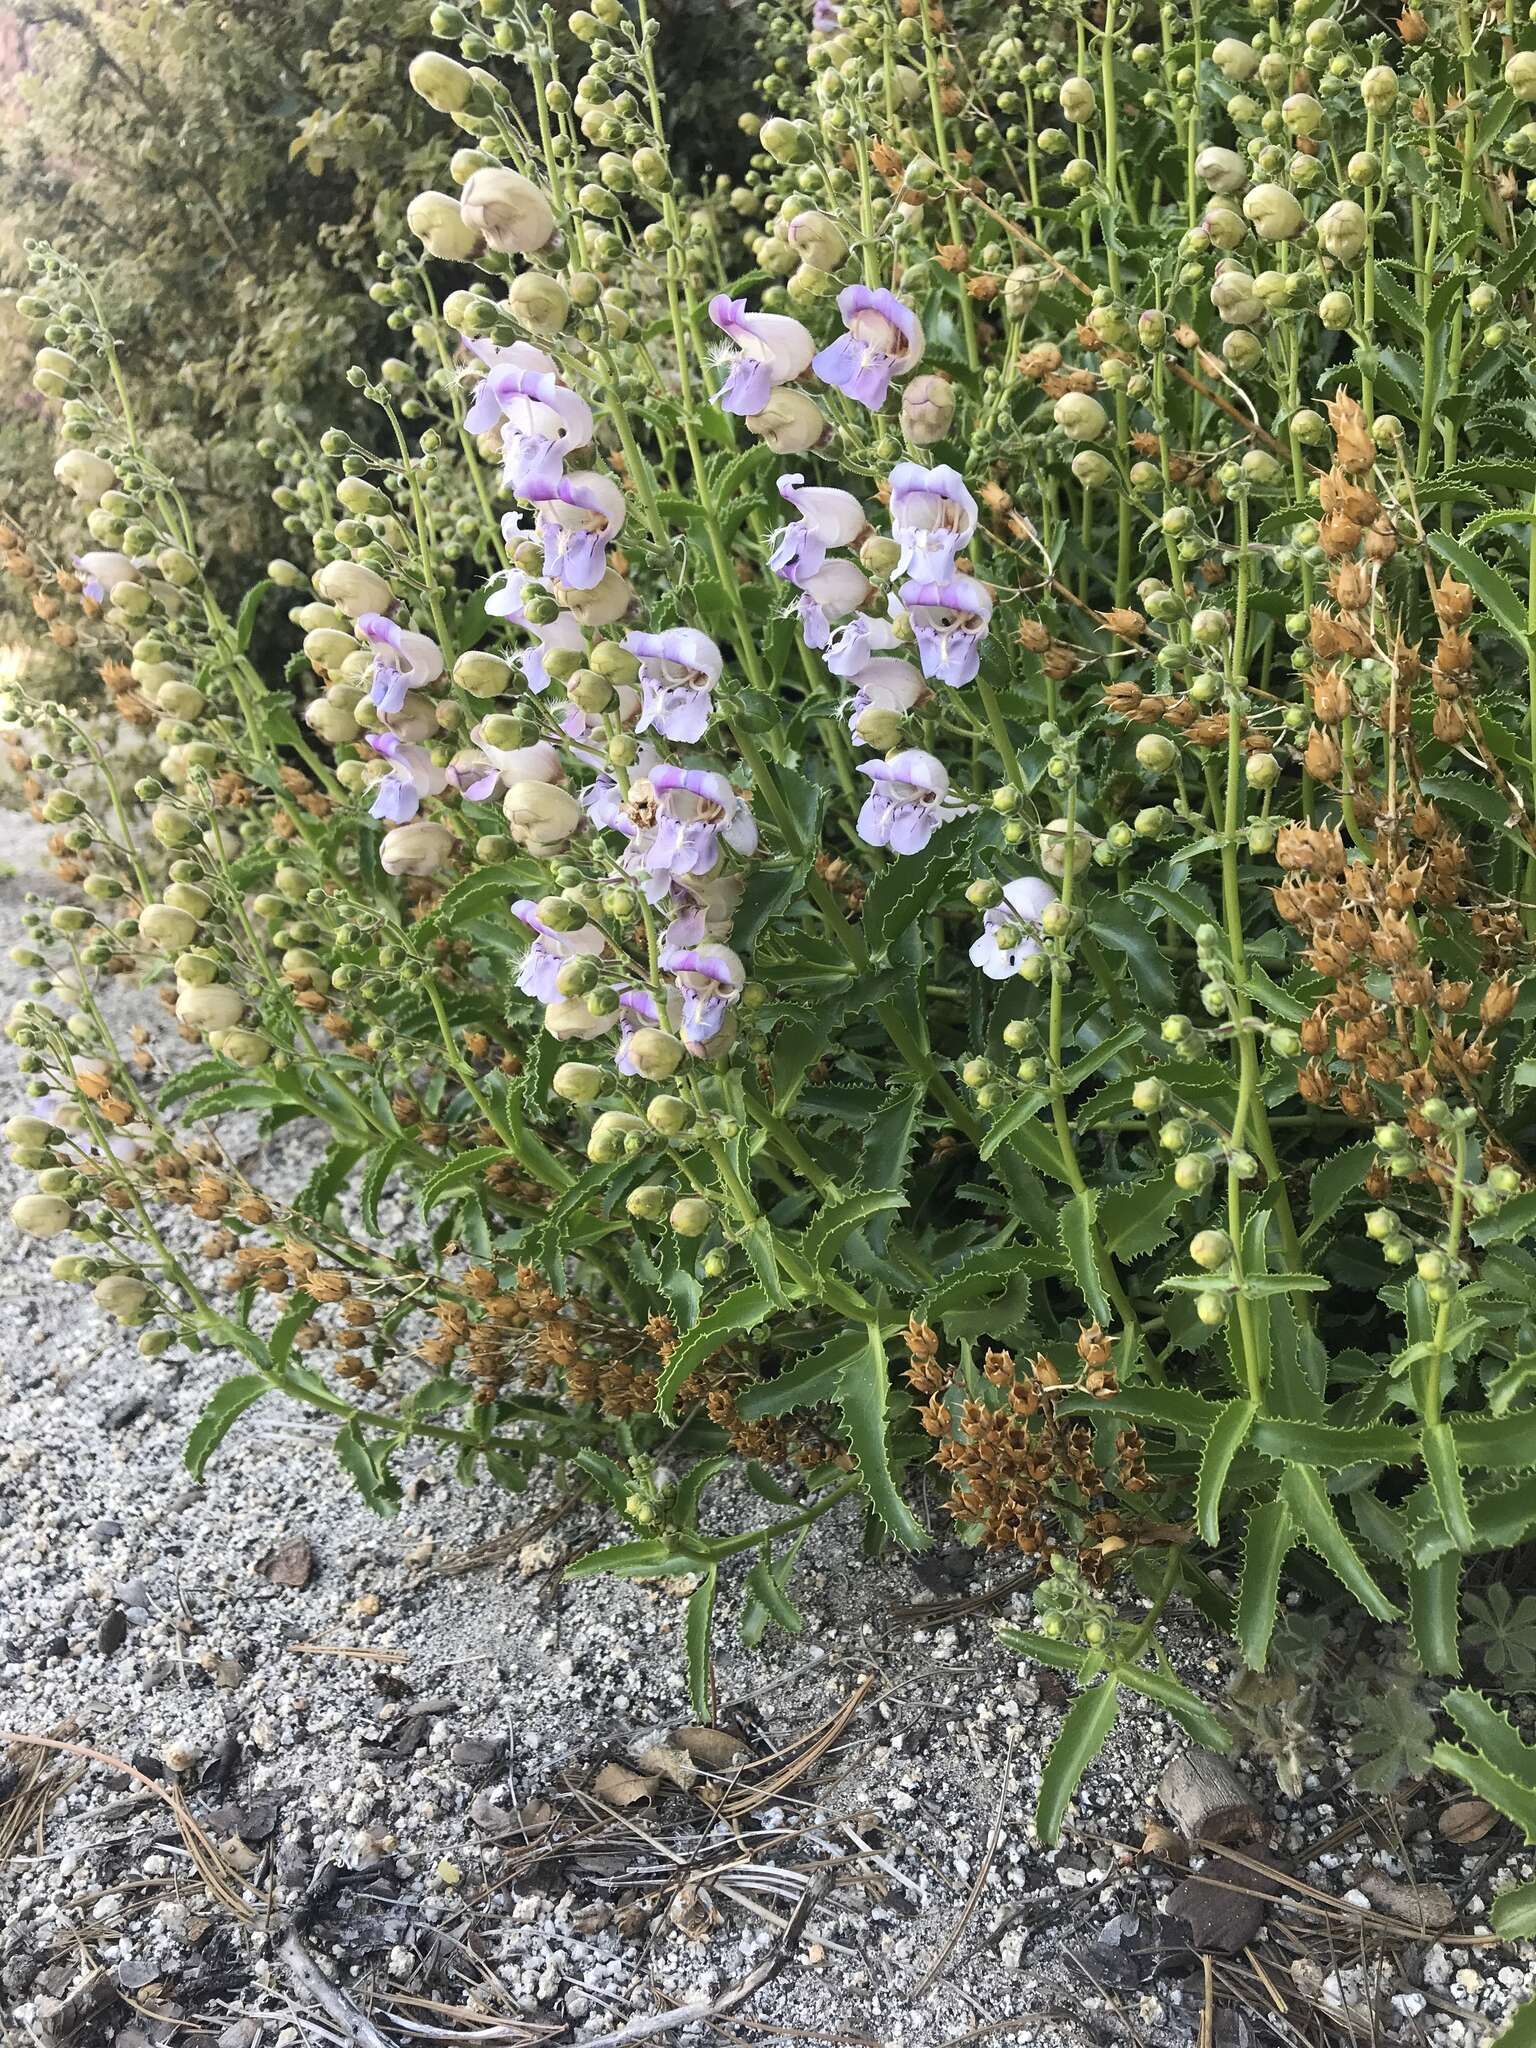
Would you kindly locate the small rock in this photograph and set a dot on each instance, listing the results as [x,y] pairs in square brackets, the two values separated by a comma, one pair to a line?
[471,1754]
[121,1413]
[113,1632]
[291,1563]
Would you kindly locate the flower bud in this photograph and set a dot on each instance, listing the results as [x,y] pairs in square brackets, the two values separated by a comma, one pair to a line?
[1221,170]
[1302,114]
[603,605]
[690,1217]
[121,1295]
[605,1141]
[787,142]
[166,927]
[570,1017]
[655,1055]
[1236,60]
[41,1215]
[647,1204]
[326,649]
[415,849]
[437,223]
[1342,231]
[445,85]
[927,408]
[542,818]
[1273,213]
[333,719]
[1210,1249]
[482,674]
[791,423]
[1336,310]
[1156,752]
[818,240]
[1021,288]
[509,210]
[669,1116]
[180,699]
[354,588]
[1235,300]
[216,1007]
[538,302]
[1092,469]
[87,475]
[1078,101]
[1080,417]
[1520,75]
[1054,847]
[880,727]
[30,1131]
[578,1081]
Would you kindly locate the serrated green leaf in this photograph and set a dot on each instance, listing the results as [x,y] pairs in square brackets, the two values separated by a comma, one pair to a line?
[1444,1467]
[1174,1697]
[1491,1733]
[1514,1919]
[221,1412]
[381,1164]
[740,1311]
[245,618]
[1267,1543]
[1433,1619]
[1221,1447]
[1113,922]
[863,1397]
[328,1179]
[647,1557]
[458,1173]
[909,888]
[1333,1446]
[1490,586]
[825,1235]
[1078,1239]
[365,1461]
[763,1585]
[1117,1042]
[813,1380]
[1516,1801]
[696,1628]
[280,1343]
[547,1245]
[1083,1734]
[1137,1217]
[1334,1181]
[1320,1529]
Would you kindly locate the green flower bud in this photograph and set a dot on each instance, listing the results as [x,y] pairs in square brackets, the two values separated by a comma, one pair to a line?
[1342,231]
[538,303]
[1273,213]
[1520,75]
[445,85]
[41,1215]
[655,1055]
[669,1116]
[647,1204]
[577,1081]
[691,1216]
[1193,1172]
[1078,101]
[1080,417]
[1156,752]
[1210,1250]
[1149,1095]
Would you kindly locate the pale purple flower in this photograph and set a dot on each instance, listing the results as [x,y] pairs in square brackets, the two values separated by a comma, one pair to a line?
[933,516]
[412,775]
[678,671]
[884,685]
[1024,902]
[825,19]
[473,776]
[837,588]
[694,811]
[578,516]
[949,620]
[910,800]
[541,421]
[764,349]
[884,340]
[857,642]
[538,762]
[828,519]
[588,730]
[402,660]
[703,907]
[549,952]
[710,978]
[100,570]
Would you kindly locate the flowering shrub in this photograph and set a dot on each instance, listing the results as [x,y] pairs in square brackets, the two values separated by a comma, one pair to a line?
[910,826]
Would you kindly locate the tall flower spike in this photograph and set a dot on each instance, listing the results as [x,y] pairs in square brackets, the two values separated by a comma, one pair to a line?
[764,350]
[884,340]
[933,516]
[949,620]
[910,800]
[828,519]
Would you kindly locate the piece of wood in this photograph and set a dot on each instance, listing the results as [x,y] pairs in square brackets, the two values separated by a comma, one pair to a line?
[1206,1800]
[306,1975]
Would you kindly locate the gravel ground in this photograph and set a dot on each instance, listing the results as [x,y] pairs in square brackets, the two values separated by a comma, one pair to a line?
[413,1802]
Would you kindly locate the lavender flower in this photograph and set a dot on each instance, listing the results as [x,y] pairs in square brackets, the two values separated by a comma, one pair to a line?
[1018,918]
[764,350]
[884,340]
[949,619]
[402,661]
[681,816]
[412,775]
[855,644]
[100,570]
[678,671]
[603,800]
[828,519]
[703,907]
[537,763]
[910,800]
[710,978]
[549,952]
[836,589]
[933,516]
[884,685]
[578,516]
[541,421]
[472,775]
